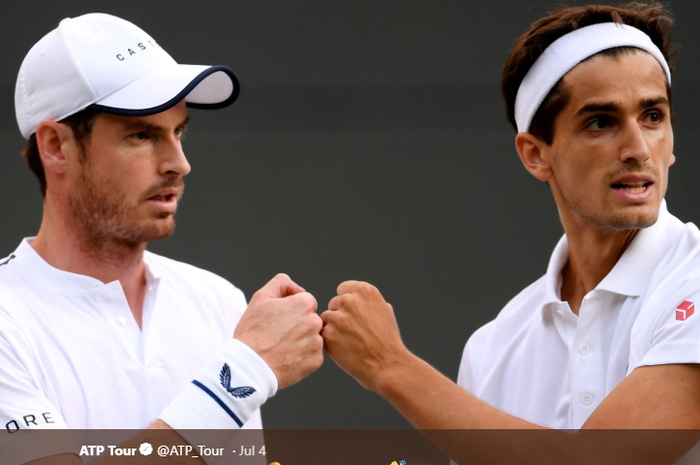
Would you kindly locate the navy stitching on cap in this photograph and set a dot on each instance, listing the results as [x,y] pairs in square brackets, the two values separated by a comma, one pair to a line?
[181,95]
[218,401]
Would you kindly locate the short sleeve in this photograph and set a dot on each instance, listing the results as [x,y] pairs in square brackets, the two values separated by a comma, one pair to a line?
[667,328]
[675,336]
[23,404]
[464,376]
[471,356]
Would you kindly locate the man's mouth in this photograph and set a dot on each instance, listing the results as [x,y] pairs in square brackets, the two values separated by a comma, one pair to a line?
[633,187]
[162,197]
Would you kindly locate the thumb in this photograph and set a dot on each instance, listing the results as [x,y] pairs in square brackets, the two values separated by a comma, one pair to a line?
[281,286]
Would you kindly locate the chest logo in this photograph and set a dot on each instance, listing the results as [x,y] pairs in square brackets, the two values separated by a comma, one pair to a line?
[685,310]
[240,392]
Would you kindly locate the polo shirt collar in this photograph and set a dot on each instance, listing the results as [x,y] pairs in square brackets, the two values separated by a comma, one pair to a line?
[631,273]
[633,270]
[552,280]
[66,281]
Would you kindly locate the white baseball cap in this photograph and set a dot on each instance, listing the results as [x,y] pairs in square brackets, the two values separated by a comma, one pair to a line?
[108,64]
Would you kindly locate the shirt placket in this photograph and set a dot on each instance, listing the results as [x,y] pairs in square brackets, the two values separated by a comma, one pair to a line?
[122,319]
[587,366]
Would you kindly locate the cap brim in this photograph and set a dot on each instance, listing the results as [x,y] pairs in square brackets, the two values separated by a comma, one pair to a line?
[200,86]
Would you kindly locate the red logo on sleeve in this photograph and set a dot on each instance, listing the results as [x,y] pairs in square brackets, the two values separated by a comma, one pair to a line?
[685,310]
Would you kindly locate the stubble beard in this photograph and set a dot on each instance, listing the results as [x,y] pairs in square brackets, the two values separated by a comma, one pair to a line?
[619,220]
[105,221]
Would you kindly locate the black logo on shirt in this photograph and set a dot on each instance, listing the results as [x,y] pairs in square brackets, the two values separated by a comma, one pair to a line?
[14,425]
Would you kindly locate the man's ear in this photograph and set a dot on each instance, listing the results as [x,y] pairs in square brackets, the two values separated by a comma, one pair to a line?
[533,151]
[55,141]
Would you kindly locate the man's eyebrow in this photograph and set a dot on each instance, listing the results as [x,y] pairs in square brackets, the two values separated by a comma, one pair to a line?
[184,122]
[143,126]
[611,107]
[652,102]
[598,108]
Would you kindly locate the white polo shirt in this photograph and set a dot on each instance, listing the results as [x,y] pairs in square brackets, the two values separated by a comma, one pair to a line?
[72,355]
[540,362]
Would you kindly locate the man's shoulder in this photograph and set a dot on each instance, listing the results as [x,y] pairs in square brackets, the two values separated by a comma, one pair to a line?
[665,328]
[179,273]
[685,251]
[679,269]
[5,268]
[527,304]
[13,279]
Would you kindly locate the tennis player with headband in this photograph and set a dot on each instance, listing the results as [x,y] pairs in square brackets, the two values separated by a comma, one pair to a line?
[608,337]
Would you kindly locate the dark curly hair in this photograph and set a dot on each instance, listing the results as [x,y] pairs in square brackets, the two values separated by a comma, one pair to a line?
[651,19]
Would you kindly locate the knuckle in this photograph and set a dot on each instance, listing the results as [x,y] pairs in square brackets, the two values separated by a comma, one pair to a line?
[339,318]
[318,343]
[313,323]
[326,317]
[346,300]
[256,296]
[310,301]
[372,290]
[317,323]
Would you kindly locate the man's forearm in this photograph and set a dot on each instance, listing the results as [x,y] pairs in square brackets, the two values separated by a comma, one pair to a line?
[449,416]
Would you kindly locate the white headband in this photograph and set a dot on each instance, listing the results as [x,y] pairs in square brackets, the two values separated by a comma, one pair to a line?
[570,50]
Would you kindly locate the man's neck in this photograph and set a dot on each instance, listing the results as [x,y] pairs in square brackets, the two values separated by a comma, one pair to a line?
[69,249]
[592,255]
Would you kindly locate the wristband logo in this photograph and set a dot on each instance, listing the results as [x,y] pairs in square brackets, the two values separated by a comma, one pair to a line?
[240,392]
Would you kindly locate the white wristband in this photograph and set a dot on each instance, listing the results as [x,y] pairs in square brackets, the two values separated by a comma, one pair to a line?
[226,392]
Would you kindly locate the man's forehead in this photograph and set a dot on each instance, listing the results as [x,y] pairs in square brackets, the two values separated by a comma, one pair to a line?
[624,72]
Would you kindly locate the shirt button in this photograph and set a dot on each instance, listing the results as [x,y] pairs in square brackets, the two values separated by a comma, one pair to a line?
[584,349]
[121,321]
[586,399]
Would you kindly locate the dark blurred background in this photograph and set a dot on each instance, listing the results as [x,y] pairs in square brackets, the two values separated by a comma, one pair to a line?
[369,142]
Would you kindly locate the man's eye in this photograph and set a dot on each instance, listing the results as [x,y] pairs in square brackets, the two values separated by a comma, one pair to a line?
[599,124]
[180,133]
[654,117]
[139,135]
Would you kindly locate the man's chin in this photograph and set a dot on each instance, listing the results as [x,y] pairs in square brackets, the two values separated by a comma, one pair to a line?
[636,218]
[162,232]
[156,231]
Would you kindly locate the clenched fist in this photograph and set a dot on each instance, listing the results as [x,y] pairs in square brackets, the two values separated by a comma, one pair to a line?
[361,334]
[282,327]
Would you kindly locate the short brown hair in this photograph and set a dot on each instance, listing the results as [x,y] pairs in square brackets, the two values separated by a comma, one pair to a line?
[81,125]
[651,19]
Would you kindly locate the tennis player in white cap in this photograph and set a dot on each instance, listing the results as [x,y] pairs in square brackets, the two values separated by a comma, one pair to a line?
[96,332]
[609,337]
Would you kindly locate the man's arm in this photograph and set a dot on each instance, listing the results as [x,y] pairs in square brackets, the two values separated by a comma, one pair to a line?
[281,326]
[362,336]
